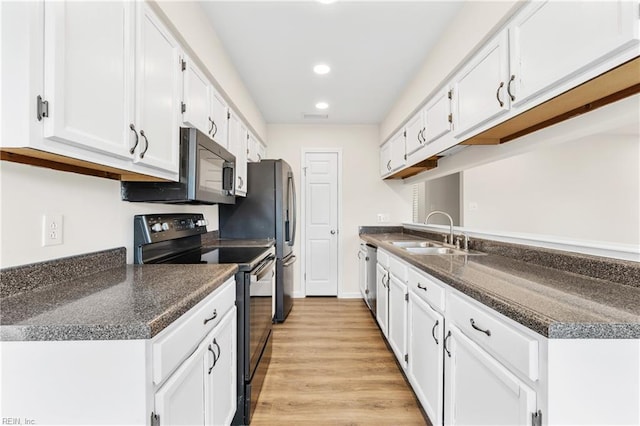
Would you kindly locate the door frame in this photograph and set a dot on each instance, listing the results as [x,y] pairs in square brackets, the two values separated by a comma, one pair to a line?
[303,224]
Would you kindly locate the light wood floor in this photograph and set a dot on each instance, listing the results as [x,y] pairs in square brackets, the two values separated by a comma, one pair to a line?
[330,366]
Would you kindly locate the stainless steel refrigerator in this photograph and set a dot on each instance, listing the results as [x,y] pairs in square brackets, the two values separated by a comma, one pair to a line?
[268,211]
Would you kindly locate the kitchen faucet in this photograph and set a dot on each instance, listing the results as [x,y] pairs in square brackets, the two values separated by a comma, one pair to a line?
[450,222]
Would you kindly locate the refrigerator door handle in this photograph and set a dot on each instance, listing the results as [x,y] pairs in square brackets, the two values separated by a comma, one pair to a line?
[291,261]
[294,213]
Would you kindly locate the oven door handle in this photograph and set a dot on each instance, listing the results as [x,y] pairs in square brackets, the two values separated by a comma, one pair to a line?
[263,270]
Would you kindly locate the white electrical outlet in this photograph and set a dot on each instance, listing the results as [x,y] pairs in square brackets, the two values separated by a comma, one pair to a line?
[52,230]
[383,217]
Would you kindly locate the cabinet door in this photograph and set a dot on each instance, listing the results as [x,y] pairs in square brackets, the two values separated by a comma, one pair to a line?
[425,367]
[196,98]
[382,294]
[481,88]
[158,77]
[219,116]
[544,54]
[415,133]
[385,159]
[479,390]
[220,392]
[89,75]
[398,157]
[437,116]
[398,319]
[253,149]
[181,400]
[241,162]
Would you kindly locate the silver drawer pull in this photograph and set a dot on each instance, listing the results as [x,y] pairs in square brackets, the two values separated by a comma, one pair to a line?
[421,288]
[473,324]
[433,331]
[214,316]
[445,344]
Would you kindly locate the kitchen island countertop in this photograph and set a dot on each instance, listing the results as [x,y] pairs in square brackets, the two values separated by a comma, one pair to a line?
[119,303]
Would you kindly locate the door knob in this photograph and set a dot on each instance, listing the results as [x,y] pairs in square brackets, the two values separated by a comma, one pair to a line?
[333,232]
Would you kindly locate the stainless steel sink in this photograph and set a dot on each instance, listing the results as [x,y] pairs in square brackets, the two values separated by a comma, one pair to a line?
[410,244]
[441,250]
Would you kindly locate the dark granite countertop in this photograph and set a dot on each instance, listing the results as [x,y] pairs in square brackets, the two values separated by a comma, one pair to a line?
[123,302]
[552,302]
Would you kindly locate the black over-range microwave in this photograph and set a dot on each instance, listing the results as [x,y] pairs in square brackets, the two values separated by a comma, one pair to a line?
[207,174]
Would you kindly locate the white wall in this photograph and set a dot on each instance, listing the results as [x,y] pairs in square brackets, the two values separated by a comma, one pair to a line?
[95,218]
[192,27]
[364,194]
[585,190]
[471,25]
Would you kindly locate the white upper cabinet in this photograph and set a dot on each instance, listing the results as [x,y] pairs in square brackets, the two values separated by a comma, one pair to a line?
[415,129]
[392,154]
[158,80]
[253,149]
[219,119]
[437,116]
[196,97]
[551,42]
[238,146]
[481,88]
[89,48]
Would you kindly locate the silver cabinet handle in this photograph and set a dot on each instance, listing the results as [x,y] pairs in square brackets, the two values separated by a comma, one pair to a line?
[433,331]
[445,344]
[216,358]
[135,145]
[212,124]
[473,324]
[241,184]
[513,98]
[214,316]
[389,165]
[146,146]
[498,94]
[421,288]
[359,254]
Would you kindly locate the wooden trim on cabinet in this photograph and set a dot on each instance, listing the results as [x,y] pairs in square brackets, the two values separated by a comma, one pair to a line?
[49,160]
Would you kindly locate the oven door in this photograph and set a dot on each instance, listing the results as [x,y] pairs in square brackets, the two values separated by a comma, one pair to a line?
[261,308]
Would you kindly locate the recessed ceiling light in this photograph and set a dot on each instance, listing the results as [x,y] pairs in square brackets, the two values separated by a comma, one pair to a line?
[322,105]
[322,69]
[326,1]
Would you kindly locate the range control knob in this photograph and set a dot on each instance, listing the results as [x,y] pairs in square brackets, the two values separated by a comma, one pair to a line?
[156,227]
[165,226]
[202,222]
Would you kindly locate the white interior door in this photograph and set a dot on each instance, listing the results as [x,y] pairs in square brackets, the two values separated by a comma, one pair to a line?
[321,223]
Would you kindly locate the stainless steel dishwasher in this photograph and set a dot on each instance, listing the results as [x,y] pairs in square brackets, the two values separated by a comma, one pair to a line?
[371,259]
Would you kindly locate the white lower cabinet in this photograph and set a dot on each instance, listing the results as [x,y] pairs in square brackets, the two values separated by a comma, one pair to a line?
[185,375]
[382,295]
[425,368]
[397,333]
[181,399]
[479,390]
[203,389]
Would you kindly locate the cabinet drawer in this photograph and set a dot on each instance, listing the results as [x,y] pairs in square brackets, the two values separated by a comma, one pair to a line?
[426,288]
[398,268]
[383,258]
[176,342]
[498,338]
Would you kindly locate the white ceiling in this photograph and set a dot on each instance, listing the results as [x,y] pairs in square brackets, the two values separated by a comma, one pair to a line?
[374,50]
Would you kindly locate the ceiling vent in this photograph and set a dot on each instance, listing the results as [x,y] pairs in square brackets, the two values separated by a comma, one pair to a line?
[315,116]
